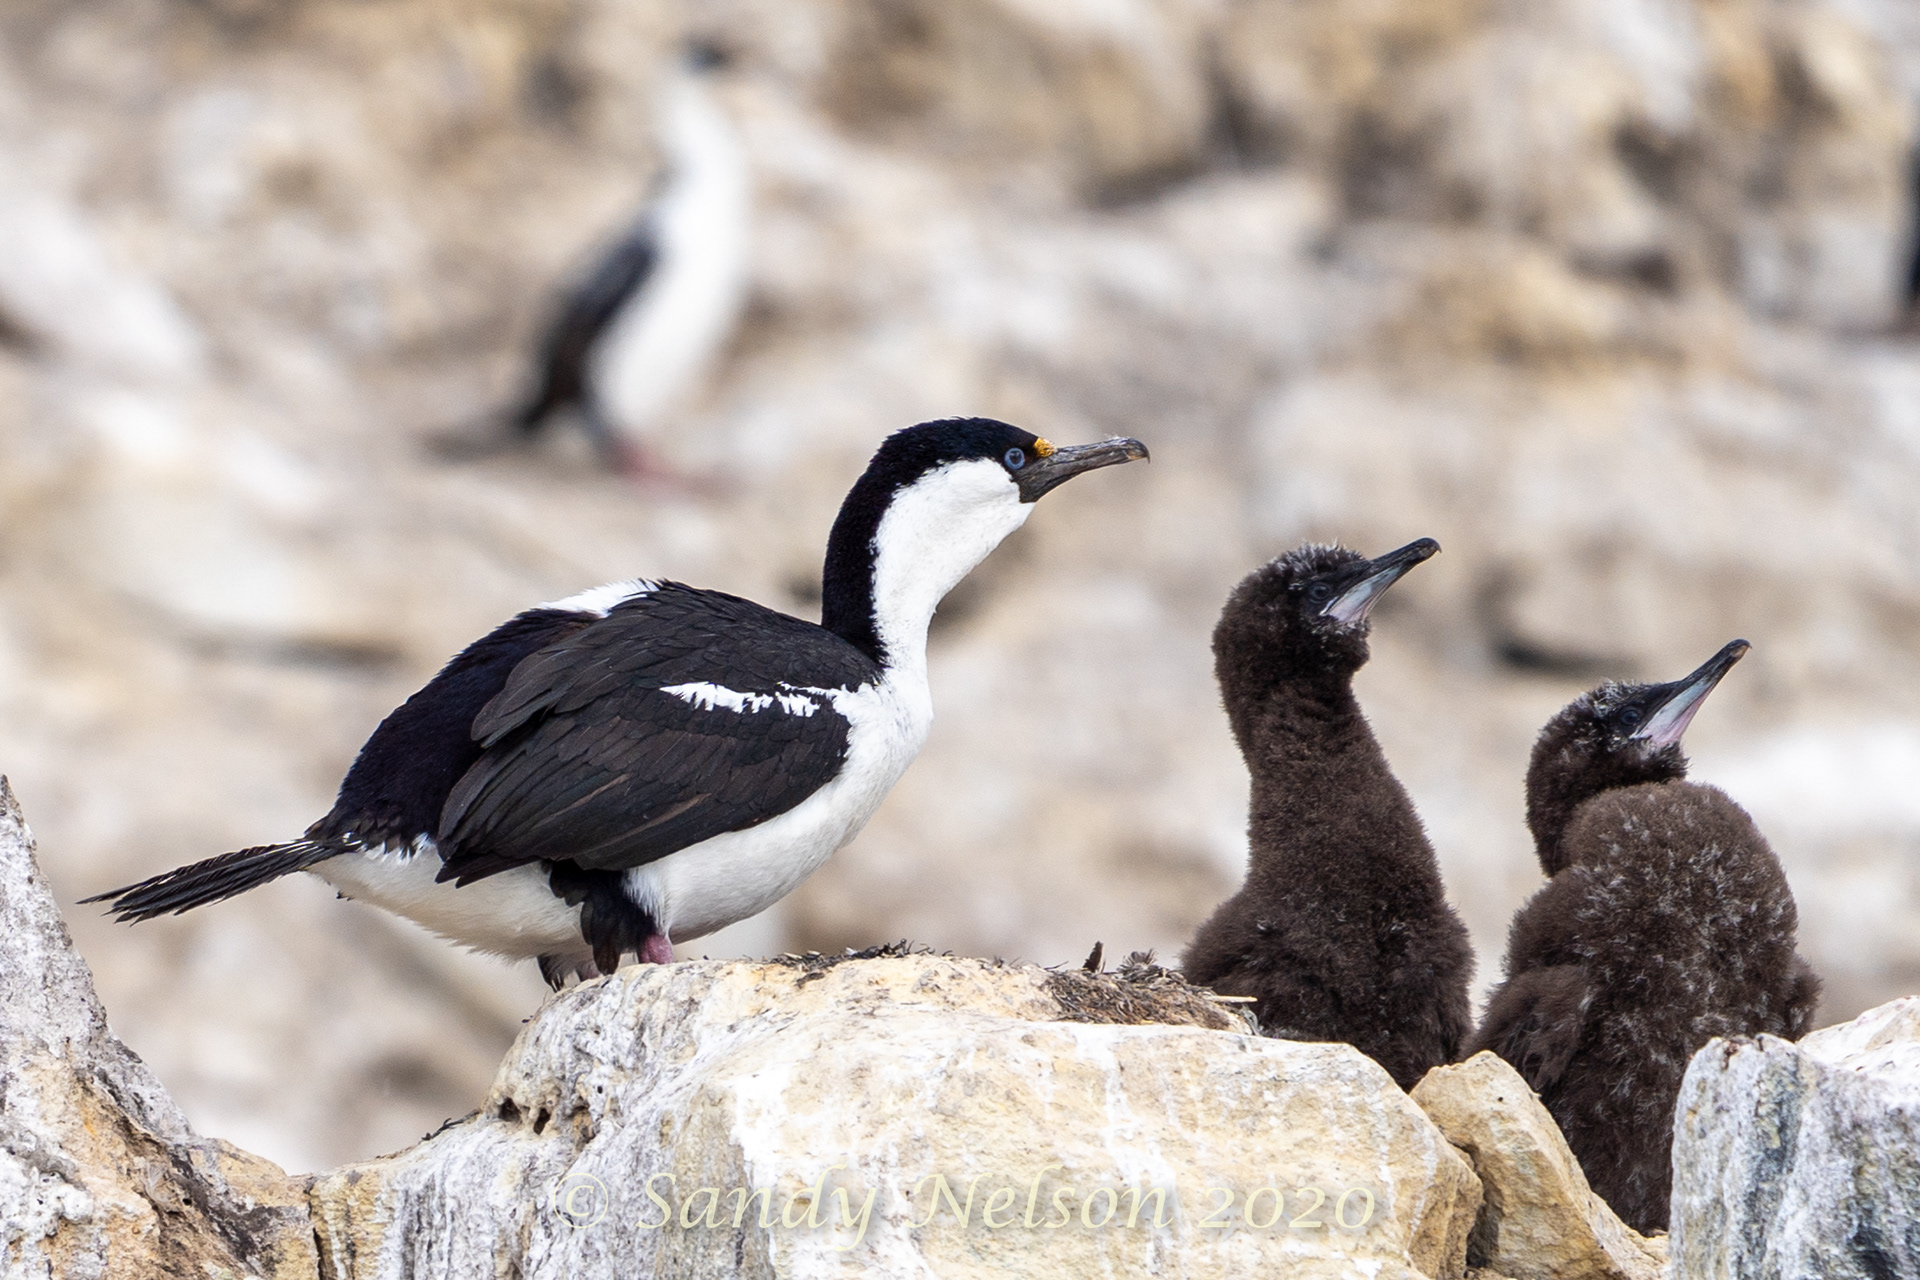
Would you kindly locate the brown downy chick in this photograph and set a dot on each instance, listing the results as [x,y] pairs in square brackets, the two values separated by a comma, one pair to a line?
[1342,930]
[1667,922]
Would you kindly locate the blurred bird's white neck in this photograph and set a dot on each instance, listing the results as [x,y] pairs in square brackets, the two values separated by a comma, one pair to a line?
[709,181]
[662,346]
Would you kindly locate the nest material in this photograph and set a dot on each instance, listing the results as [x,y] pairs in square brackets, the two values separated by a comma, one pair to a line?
[1139,992]
[817,962]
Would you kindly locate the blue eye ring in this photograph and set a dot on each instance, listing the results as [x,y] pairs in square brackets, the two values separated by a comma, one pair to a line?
[1015,458]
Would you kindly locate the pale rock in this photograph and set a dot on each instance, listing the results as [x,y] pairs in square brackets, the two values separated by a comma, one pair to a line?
[872,1076]
[1541,1220]
[62,284]
[1112,91]
[100,1175]
[1802,1159]
[1761,148]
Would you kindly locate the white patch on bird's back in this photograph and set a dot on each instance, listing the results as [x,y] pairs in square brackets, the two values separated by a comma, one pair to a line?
[601,600]
[706,696]
[512,913]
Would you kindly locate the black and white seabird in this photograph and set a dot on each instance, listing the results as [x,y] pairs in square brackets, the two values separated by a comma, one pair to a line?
[649,761]
[642,327]
[1667,921]
[1342,930]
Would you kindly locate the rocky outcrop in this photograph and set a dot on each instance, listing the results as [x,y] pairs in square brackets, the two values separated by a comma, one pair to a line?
[909,1114]
[1753,148]
[1541,1220]
[902,1113]
[1802,1159]
[100,1175]
[1115,105]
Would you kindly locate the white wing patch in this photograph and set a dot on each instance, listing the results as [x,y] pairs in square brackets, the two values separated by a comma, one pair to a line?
[601,600]
[707,696]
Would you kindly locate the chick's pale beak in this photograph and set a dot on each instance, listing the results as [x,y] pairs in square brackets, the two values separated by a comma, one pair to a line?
[1042,474]
[1352,606]
[1672,716]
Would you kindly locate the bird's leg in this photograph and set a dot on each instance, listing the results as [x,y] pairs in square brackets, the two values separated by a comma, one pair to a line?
[618,454]
[638,463]
[555,970]
[657,949]
[642,466]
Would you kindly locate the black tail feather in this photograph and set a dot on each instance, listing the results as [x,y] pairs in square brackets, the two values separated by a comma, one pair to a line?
[216,878]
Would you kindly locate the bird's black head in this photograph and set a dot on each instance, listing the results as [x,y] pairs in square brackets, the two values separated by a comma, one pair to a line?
[1618,735]
[704,53]
[934,501]
[1305,614]
[1033,465]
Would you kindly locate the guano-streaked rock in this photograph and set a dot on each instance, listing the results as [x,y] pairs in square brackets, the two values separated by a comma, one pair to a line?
[1802,1159]
[908,1115]
[100,1175]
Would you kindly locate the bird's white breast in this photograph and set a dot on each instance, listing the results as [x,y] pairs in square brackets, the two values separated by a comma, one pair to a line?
[717,882]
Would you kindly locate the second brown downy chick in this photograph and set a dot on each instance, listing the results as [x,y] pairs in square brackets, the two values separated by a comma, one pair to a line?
[1667,921]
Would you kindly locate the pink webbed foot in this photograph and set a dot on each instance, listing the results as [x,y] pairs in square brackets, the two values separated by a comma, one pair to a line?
[658,949]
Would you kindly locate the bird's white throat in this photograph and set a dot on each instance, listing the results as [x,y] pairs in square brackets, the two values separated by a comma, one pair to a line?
[933,534]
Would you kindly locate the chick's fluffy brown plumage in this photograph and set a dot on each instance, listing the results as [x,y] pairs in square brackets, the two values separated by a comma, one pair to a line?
[1667,921]
[1342,930]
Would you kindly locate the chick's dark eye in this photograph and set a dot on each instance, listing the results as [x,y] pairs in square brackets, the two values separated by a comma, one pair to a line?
[1318,592]
[1015,458]
[1630,717]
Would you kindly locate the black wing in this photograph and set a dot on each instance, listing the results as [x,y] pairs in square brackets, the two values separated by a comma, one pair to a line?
[399,782]
[586,758]
[1536,1020]
[1803,999]
[582,317]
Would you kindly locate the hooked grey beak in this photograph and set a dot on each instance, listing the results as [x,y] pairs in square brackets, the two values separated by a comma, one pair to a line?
[1053,469]
[1675,712]
[1352,606]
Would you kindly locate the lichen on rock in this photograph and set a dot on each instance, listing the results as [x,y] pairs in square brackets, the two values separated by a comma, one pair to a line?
[1802,1159]
[897,1112]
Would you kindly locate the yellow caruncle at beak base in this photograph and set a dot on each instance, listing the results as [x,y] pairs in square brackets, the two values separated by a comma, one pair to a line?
[1042,447]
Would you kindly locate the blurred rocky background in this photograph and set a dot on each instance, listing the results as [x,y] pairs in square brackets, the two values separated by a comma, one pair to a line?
[1609,296]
